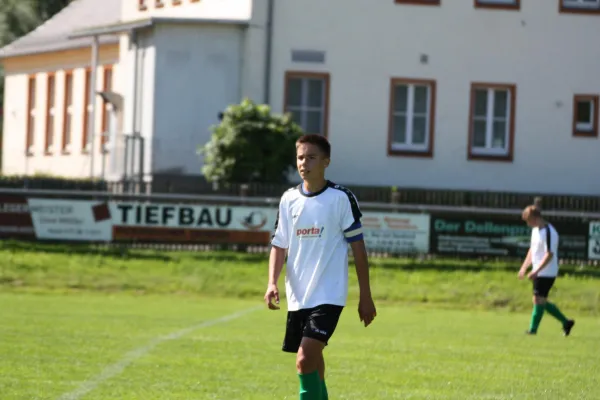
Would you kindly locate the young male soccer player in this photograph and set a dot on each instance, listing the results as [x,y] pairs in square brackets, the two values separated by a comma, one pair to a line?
[543,254]
[316,221]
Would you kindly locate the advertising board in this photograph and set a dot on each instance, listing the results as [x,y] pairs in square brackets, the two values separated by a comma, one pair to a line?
[15,220]
[190,223]
[76,220]
[499,236]
[396,233]
[594,240]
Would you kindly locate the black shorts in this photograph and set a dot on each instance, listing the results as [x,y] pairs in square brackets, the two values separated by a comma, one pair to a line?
[316,323]
[542,286]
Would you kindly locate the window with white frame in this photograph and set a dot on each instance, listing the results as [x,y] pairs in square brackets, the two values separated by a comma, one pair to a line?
[411,115]
[88,124]
[419,2]
[68,113]
[585,115]
[582,4]
[50,113]
[498,3]
[142,5]
[107,107]
[31,120]
[491,121]
[306,99]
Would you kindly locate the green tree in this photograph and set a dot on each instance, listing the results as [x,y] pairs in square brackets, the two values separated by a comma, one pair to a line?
[251,144]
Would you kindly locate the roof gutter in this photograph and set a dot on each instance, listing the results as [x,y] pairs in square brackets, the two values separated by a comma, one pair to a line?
[146,23]
[111,29]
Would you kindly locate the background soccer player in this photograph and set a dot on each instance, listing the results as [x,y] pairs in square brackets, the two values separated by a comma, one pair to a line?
[543,254]
[316,221]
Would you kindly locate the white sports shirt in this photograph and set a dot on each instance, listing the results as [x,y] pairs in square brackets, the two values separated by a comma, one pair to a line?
[316,228]
[542,241]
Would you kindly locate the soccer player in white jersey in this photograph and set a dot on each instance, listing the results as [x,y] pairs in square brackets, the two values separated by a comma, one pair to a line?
[316,221]
[543,255]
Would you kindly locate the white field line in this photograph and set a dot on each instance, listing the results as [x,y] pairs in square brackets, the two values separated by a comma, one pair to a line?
[117,368]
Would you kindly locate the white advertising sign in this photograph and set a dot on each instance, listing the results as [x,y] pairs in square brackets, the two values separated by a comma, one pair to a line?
[83,220]
[594,241]
[191,216]
[397,233]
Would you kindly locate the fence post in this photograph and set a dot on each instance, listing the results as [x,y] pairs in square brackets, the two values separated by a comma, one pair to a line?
[395,198]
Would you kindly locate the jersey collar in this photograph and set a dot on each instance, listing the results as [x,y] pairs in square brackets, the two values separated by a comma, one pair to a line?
[303,193]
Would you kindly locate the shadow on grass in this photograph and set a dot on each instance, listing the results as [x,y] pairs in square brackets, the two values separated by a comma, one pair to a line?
[202,254]
[471,265]
[80,249]
[154,252]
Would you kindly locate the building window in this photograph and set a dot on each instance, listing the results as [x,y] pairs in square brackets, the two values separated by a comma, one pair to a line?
[585,115]
[176,2]
[50,113]
[307,98]
[87,110]
[159,4]
[420,2]
[491,122]
[68,113]
[142,6]
[31,104]
[412,116]
[106,109]
[499,4]
[580,6]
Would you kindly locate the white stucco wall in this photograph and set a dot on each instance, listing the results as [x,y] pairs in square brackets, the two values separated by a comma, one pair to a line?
[198,70]
[254,53]
[207,9]
[75,162]
[534,48]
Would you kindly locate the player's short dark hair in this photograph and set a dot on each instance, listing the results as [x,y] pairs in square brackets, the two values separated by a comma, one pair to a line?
[318,140]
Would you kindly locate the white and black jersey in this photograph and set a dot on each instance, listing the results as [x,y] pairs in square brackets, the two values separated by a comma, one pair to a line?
[316,228]
[545,240]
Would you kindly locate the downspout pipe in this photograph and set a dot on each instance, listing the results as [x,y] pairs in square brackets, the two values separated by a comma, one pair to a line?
[91,122]
[268,51]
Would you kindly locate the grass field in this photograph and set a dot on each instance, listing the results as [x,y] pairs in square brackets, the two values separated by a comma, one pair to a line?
[81,324]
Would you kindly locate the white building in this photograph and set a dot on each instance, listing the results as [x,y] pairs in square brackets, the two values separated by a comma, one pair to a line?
[469,94]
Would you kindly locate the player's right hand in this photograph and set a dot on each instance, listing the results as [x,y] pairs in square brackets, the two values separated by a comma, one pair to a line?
[272,293]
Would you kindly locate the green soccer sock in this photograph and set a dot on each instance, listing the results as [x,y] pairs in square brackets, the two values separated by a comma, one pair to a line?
[536,317]
[324,395]
[310,386]
[555,312]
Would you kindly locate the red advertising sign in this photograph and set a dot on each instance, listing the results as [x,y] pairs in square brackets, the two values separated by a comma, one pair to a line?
[15,219]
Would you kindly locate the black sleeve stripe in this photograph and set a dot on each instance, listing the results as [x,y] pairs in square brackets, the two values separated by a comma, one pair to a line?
[356,213]
[277,217]
[548,238]
[276,225]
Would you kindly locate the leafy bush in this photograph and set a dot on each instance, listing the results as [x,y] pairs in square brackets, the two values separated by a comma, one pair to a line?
[250,144]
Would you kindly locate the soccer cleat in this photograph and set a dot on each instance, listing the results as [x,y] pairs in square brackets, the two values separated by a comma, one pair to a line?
[528,332]
[568,326]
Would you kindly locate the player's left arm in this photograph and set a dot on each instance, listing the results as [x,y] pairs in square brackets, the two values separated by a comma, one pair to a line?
[353,233]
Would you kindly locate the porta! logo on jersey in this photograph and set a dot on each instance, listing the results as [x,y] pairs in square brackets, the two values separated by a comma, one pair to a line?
[308,233]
